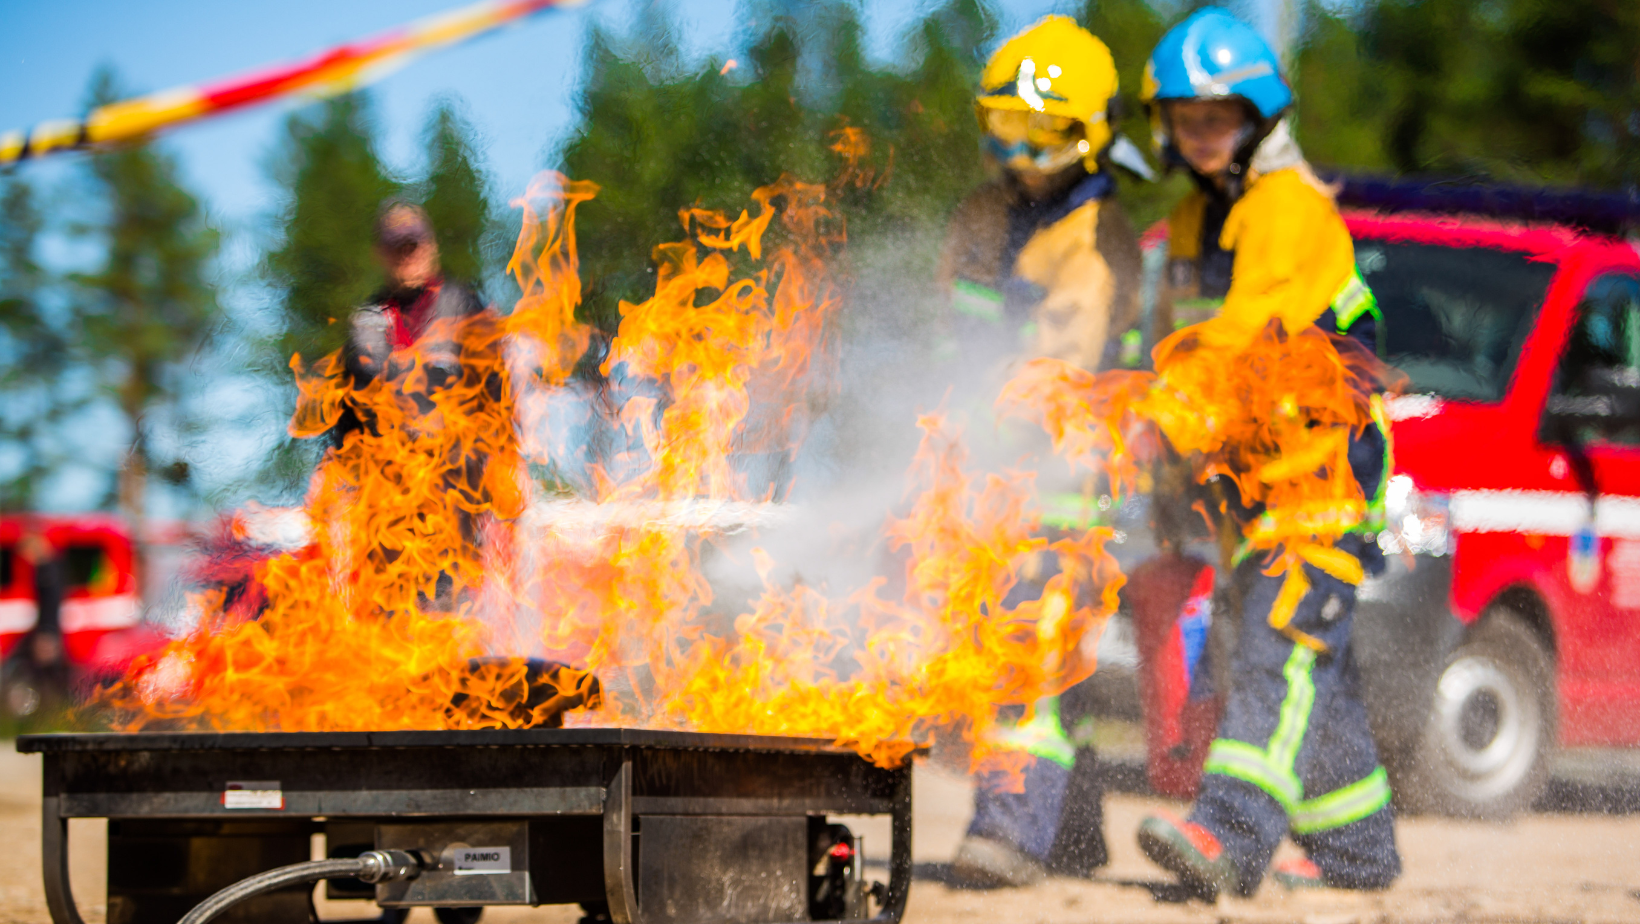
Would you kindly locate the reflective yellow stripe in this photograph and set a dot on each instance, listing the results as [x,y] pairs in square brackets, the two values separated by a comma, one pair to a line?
[1071,511]
[1042,736]
[1131,353]
[1374,520]
[1245,762]
[1272,770]
[1188,311]
[1342,806]
[976,301]
[1353,300]
[1295,708]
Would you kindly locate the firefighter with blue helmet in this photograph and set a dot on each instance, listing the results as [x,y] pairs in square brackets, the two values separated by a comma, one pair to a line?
[1261,239]
[1041,261]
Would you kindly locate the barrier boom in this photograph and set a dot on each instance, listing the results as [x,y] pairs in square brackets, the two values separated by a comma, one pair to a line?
[334,70]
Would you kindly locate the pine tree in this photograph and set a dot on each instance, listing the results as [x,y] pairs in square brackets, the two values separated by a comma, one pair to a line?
[1569,76]
[325,265]
[1131,29]
[455,194]
[150,305]
[656,138]
[1341,114]
[1521,90]
[34,351]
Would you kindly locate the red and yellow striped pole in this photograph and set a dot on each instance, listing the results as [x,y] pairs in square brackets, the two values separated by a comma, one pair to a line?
[335,70]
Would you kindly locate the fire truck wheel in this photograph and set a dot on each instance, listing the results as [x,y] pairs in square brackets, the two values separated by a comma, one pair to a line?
[1485,745]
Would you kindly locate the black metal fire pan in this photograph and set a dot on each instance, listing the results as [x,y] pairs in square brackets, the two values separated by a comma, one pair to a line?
[315,779]
[468,773]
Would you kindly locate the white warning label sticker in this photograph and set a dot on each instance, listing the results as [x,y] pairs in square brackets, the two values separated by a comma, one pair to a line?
[483,861]
[253,794]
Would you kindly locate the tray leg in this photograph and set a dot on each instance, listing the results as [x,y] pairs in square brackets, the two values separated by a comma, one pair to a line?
[619,872]
[54,864]
[899,860]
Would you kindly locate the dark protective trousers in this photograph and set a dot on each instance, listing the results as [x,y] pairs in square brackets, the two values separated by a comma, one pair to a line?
[1059,817]
[1294,752]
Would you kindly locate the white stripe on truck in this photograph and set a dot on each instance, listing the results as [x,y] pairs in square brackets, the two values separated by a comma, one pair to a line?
[1543,513]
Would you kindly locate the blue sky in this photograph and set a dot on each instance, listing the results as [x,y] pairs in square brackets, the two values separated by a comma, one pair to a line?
[518,86]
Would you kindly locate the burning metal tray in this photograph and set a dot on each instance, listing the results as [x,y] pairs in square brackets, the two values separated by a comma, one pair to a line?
[655,826]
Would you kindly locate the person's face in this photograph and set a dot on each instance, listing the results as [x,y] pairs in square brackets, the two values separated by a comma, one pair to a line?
[1206,132]
[1037,184]
[410,264]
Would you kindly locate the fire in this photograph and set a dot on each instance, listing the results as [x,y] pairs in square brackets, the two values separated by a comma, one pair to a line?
[1272,413]
[941,654]
[432,549]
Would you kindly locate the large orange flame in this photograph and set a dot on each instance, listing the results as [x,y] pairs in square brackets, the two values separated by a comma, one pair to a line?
[431,550]
[1272,413]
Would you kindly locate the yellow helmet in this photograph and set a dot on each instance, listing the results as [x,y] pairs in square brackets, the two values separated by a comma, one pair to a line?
[1045,96]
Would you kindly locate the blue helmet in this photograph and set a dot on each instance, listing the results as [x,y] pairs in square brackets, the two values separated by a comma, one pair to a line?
[1214,55]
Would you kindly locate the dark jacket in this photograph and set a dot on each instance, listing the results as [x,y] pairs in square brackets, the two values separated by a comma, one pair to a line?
[378,328]
[1066,269]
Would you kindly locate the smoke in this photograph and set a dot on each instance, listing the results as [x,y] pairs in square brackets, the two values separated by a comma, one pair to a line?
[749,511]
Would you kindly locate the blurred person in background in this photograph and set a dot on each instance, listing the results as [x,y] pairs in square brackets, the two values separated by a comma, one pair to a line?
[39,677]
[416,294]
[1041,261]
[1261,239]
[418,319]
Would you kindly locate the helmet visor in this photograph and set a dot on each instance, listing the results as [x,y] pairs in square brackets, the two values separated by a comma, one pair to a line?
[1033,140]
[1034,129]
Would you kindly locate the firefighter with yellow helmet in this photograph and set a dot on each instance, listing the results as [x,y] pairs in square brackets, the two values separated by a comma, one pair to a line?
[1040,261]
[1042,250]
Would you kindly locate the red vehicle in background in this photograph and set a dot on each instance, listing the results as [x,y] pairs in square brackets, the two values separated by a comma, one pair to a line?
[98,614]
[1507,628]
[1505,633]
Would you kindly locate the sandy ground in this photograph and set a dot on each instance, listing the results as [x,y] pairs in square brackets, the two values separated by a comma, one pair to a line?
[1561,867]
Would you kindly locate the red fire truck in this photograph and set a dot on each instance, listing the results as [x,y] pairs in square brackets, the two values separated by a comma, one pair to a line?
[99,629]
[1508,624]
[1506,630]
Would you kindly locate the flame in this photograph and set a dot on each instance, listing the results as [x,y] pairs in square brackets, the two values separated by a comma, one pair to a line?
[432,551]
[942,654]
[1272,413]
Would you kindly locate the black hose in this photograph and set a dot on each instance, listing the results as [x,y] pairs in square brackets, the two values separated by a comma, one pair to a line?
[372,866]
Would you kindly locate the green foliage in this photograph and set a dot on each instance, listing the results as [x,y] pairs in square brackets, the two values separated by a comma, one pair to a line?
[150,304]
[1522,90]
[657,139]
[455,194]
[34,351]
[1341,115]
[1131,28]
[324,266]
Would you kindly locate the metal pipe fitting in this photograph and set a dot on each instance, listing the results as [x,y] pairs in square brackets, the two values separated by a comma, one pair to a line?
[371,866]
[389,865]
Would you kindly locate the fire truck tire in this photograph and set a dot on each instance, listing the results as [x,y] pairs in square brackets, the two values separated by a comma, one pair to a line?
[1485,745]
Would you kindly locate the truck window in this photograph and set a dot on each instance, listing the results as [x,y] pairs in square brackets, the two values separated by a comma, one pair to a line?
[88,568]
[1598,382]
[8,568]
[1455,318]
